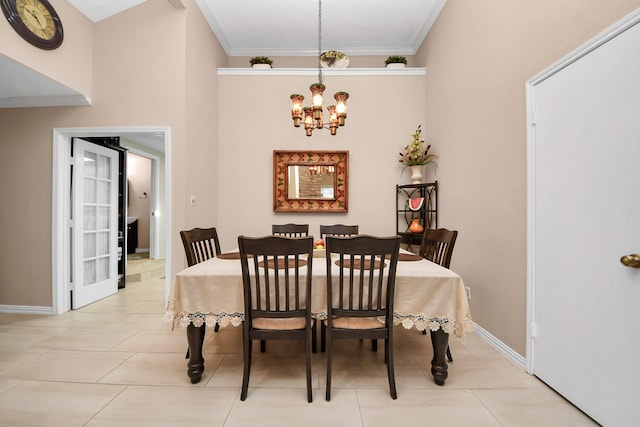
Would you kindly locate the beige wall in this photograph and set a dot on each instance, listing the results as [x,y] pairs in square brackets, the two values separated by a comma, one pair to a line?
[479,56]
[255,119]
[71,64]
[140,71]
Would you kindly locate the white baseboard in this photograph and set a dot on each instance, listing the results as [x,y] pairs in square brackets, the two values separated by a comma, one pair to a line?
[507,351]
[140,250]
[25,309]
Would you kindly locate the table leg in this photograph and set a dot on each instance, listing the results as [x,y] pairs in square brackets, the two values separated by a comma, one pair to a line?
[195,339]
[440,343]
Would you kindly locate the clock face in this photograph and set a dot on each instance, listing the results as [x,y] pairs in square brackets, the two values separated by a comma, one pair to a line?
[34,20]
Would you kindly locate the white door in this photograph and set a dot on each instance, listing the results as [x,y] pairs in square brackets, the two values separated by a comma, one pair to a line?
[584,198]
[95,228]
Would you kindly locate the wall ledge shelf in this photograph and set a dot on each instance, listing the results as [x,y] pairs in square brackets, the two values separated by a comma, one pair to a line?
[408,71]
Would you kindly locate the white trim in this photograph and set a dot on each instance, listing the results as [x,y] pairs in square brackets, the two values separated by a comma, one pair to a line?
[407,71]
[26,309]
[594,43]
[61,205]
[501,347]
[60,270]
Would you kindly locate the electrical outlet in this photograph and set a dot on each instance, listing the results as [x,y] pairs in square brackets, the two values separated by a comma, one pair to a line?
[468,290]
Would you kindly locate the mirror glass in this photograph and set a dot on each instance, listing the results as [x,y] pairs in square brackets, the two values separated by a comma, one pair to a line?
[311,182]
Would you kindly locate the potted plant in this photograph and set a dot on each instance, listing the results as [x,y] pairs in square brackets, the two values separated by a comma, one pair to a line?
[261,62]
[416,156]
[395,61]
[334,59]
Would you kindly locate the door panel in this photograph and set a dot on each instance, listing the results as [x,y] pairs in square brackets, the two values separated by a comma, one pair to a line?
[586,185]
[95,230]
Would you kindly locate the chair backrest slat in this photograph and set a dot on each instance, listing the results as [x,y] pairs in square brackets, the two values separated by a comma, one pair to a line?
[366,288]
[290,230]
[200,244]
[276,272]
[437,245]
[338,230]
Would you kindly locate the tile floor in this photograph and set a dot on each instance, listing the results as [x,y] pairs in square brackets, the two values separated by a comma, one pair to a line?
[116,363]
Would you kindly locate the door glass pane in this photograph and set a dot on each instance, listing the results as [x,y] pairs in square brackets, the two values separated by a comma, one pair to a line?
[103,243]
[103,268]
[89,217]
[103,218]
[90,164]
[104,167]
[90,190]
[89,272]
[103,192]
[89,245]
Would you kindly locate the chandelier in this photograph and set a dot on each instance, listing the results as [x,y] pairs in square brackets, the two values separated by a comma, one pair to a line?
[312,116]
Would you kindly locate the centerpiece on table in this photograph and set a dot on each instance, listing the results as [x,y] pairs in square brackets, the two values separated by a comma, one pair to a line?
[415,156]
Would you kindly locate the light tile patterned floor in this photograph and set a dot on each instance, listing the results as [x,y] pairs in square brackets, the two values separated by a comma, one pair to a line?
[116,363]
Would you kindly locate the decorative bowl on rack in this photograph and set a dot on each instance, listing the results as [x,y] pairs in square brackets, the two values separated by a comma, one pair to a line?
[334,59]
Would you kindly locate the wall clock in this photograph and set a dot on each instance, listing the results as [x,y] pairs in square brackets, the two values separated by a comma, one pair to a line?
[36,21]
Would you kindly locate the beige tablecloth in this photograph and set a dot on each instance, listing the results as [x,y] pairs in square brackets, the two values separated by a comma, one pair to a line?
[427,296]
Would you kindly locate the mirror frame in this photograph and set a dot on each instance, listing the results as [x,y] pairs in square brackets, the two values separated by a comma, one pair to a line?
[282,159]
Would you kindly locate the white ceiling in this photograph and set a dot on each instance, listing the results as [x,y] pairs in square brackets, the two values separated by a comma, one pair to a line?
[256,28]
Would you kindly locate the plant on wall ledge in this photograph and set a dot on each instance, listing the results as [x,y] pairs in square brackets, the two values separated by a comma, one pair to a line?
[396,59]
[261,60]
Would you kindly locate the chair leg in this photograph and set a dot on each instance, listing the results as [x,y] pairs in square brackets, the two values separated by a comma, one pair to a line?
[323,336]
[314,329]
[217,327]
[329,362]
[388,350]
[247,367]
[374,345]
[263,346]
[187,355]
[449,355]
[308,366]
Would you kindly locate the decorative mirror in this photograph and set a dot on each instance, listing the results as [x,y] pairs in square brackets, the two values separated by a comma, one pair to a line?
[310,181]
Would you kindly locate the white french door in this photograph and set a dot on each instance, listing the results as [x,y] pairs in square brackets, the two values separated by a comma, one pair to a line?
[94,247]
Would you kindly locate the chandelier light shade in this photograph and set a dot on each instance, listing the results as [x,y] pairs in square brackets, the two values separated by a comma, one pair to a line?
[312,116]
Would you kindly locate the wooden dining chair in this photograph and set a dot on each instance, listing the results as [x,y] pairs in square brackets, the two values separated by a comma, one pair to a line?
[334,230]
[338,230]
[276,276]
[437,246]
[360,294]
[290,230]
[200,244]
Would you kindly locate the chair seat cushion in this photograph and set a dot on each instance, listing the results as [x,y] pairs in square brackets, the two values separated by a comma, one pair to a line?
[280,324]
[357,323]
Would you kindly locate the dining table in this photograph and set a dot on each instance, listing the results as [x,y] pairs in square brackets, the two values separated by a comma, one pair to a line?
[427,297]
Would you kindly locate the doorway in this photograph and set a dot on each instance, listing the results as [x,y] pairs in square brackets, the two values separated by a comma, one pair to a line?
[62,204]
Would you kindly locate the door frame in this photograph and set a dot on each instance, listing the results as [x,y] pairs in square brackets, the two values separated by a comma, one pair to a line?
[154,243]
[61,205]
[591,45]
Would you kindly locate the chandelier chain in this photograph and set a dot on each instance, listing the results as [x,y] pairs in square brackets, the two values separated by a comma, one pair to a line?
[319,40]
